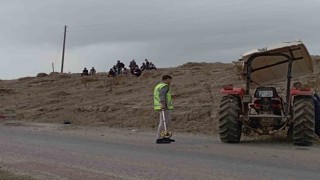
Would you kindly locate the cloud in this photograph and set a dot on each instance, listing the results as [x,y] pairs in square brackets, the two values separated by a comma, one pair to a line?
[168,32]
[19,62]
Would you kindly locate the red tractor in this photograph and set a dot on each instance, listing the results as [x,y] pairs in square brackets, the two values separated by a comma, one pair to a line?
[265,112]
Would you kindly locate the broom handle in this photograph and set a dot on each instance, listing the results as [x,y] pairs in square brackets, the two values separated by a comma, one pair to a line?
[164,120]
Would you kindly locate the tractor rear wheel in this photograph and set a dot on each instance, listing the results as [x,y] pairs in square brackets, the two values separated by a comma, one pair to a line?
[229,125]
[316,101]
[303,117]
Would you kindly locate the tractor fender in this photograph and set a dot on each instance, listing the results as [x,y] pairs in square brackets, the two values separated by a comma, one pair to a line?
[233,91]
[238,92]
[295,92]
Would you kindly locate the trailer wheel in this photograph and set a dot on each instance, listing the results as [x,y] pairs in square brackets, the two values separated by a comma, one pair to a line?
[229,125]
[304,121]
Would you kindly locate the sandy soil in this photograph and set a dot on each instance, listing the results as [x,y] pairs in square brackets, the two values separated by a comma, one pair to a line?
[10,176]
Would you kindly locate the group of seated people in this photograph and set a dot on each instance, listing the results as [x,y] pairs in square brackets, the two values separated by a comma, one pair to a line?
[85,72]
[120,68]
[147,65]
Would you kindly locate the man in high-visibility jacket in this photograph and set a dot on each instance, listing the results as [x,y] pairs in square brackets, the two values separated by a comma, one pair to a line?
[163,102]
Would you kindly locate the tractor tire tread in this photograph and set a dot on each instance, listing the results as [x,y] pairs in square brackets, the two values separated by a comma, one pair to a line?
[229,126]
[304,121]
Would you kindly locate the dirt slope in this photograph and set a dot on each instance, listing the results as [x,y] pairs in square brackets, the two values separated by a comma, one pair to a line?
[123,101]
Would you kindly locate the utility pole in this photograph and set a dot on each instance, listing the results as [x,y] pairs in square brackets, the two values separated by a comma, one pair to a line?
[64,47]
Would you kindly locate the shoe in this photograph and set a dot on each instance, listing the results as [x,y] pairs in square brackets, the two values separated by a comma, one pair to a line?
[162,141]
[168,139]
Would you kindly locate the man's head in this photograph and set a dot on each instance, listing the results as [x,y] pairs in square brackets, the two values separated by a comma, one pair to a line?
[166,79]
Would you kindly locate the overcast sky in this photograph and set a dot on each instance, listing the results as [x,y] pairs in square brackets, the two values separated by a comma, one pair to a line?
[167,32]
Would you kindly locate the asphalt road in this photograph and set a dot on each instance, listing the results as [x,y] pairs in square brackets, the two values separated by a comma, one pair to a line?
[48,151]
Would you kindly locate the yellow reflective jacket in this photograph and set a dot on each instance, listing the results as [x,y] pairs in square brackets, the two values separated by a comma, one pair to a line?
[156,96]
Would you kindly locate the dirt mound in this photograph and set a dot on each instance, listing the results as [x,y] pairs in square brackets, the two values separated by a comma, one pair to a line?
[60,94]
[126,101]
[199,66]
[4,92]
[42,74]
[9,175]
[316,59]
[25,78]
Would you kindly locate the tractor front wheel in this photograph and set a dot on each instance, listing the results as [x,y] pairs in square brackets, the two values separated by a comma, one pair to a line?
[229,125]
